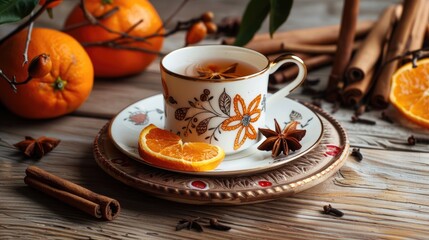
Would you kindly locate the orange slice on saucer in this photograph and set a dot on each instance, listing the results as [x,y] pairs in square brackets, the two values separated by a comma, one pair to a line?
[410,92]
[164,149]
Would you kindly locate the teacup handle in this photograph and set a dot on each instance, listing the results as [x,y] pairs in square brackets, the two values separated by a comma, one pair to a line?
[302,74]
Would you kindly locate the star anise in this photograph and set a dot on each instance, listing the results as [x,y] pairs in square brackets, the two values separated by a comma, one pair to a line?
[189,224]
[282,140]
[212,71]
[37,148]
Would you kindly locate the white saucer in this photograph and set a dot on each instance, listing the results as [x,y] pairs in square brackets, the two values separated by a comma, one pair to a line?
[125,128]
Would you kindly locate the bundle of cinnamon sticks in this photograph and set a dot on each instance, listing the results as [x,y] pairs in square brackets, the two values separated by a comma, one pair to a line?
[361,53]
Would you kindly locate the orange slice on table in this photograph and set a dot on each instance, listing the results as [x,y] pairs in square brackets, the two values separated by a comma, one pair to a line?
[164,149]
[410,92]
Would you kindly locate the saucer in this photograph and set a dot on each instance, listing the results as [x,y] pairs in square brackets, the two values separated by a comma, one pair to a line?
[295,176]
[125,128]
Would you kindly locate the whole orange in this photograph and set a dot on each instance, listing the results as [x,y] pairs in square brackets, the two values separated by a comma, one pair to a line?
[114,62]
[62,90]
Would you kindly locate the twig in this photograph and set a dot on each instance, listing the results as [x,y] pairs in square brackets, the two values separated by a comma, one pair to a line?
[167,21]
[101,17]
[415,55]
[28,22]
[12,82]
[27,42]
[94,21]
[125,38]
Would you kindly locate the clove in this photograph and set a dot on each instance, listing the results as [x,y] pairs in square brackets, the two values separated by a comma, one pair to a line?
[356,119]
[356,153]
[385,117]
[328,209]
[335,107]
[360,109]
[414,140]
[214,224]
[317,102]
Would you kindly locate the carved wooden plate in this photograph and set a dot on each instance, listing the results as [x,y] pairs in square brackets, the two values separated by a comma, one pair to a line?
[295,176]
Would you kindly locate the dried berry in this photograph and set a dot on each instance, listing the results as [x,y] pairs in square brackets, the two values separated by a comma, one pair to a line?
[196,33]
[207,16]
[40,66]
[211,27]
[229,26]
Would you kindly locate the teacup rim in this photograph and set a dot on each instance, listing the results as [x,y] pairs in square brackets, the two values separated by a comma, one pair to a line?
[185,77]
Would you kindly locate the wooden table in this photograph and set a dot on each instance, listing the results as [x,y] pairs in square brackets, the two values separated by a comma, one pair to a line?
[383,196]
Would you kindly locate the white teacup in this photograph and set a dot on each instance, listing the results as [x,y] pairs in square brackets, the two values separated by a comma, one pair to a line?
[224,112]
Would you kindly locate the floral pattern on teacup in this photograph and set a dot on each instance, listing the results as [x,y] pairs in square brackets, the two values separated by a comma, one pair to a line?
[201,111]
[243,120]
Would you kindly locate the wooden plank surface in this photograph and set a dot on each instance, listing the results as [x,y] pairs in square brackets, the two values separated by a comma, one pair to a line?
[384,196]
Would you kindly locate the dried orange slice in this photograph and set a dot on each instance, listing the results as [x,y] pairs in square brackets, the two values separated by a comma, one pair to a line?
[410,92]
[166,150]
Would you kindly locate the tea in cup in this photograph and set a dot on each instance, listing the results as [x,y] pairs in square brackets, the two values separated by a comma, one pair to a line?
[217,94]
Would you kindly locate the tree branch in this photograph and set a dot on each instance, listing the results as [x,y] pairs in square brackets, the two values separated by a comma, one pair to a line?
[167,21]
[27,42]
[28,22]
[85,23]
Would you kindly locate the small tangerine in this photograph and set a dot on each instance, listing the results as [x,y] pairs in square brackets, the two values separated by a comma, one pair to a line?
[196,33]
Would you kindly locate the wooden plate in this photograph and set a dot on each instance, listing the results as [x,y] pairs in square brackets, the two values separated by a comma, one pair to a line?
[295,176]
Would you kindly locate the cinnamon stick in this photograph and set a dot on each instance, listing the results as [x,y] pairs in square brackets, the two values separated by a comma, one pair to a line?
[291,72]
[316,35]
[303,56]
[355,91]
[371,49]
[309,36]
[313,48]
[418,31]
[344,50]
[397,46]
[92,203]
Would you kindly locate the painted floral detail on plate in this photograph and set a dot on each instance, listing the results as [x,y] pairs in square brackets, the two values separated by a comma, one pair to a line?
[332,150]
[201,112]
[198,185]
[296,116]
[140,117]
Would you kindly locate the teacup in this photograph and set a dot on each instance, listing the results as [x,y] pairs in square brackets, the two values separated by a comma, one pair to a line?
[205,106]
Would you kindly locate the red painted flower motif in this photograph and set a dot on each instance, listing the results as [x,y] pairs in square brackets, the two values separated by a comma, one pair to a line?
[139,118]
[264,183]
[198,184]
[243,119]
[332,150]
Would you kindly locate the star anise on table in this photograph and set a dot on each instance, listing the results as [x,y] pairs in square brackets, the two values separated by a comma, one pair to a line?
[282,140]
[189,224]
[212,71]
[37,148]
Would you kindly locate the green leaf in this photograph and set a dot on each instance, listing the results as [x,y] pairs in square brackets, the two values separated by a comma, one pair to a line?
[280,10]
[15,10]
[253,17]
